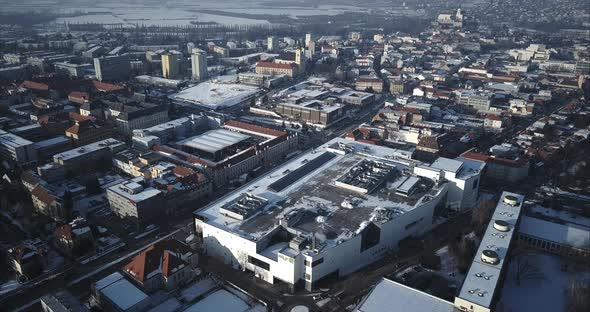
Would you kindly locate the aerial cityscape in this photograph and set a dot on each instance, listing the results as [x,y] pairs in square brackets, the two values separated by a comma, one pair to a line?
[295,155]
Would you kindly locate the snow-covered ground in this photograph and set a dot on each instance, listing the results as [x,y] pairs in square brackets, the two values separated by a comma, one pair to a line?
[547,292]
[157,16]
[448,266]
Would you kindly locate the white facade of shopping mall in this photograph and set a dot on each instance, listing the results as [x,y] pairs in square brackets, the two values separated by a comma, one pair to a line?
[313,227]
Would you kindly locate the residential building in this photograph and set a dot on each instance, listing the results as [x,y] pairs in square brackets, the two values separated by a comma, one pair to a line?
[170,66]
[74,239]
[48,204]
[314,112]
[501,168]
[268,68]
[166,265]
[373,84]
[129,115]
[71,69]
[136,201]
[17,149]
[112,68]
[475,99]
[199,64]
[86,131]
[272,44]
[88,156]
[27,258]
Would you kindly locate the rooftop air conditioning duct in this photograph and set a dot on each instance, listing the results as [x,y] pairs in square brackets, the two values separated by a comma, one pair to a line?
[490,257]
[511,200]
[501,226]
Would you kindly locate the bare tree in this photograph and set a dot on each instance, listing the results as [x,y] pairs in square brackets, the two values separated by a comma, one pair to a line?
[526,269]
[579,296]
[481,216]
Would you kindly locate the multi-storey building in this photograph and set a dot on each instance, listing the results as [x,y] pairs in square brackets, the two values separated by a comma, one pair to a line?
[170,65]
[111,68]
[199,64]
[268,68]
[135,201]
[17,149]
[325,214]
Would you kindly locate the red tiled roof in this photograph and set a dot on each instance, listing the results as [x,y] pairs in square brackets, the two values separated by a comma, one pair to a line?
[63,232]
[163,256]
[180,171]
[275,65]
[35,85]
[43,195]
[254,128]
[75,129]
[29,177]
[500,161]
[493,117]
[106,87]
[77,117]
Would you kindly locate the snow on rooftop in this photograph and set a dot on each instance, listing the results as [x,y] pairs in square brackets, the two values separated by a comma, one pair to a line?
[215,95]
[405,298]
[120,291]
[565,234]
[221,300]
[87,149]
[214,140]
[313,192]
[447,164]
[488,264]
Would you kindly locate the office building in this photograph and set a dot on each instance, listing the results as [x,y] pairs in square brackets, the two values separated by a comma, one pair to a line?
[136,201]
[17,149]
[111,68]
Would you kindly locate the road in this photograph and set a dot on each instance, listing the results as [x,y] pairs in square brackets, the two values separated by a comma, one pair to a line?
[73,275]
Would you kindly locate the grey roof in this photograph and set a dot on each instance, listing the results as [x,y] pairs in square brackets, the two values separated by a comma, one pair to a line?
[447,164]
[482,279]
[120,291]
[391,296]
[565,234]
[215,140]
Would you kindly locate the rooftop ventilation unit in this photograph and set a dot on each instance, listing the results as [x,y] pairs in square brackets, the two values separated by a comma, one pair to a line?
[511,200]
[501,226]
[490,257]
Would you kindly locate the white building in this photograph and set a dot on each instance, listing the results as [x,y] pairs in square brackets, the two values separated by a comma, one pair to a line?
[327,213]
[478,292]
[464,176]
[17,149]
[199,64]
